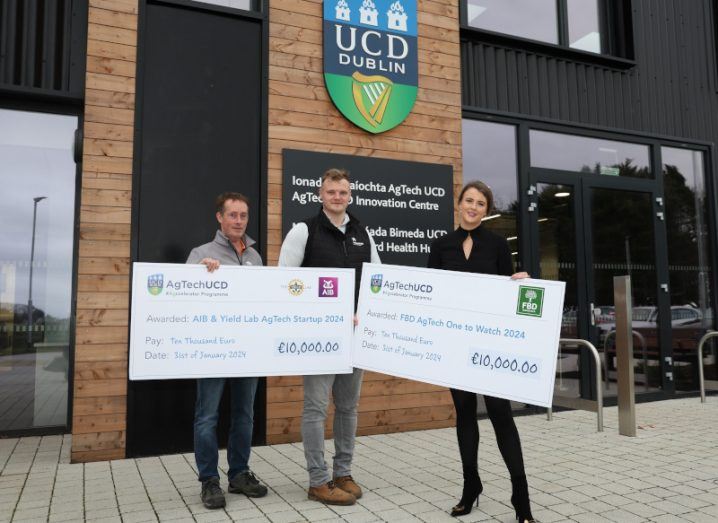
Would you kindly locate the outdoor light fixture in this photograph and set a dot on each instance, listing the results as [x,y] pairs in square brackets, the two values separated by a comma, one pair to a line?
[542,220]
[491,217]
[512,238]
[562,194]
[36,200]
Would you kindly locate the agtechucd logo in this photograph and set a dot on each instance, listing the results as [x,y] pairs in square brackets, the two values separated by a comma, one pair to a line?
[376,280]
[155,284]
[530,301]
[371,66]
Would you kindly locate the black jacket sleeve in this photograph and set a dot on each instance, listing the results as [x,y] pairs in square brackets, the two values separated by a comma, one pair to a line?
[434,256]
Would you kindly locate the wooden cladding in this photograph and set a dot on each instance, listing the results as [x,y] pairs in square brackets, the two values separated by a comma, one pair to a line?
[42,44]
[301,116]
[103,285]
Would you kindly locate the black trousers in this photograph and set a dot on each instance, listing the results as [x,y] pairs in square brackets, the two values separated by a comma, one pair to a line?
[467,432]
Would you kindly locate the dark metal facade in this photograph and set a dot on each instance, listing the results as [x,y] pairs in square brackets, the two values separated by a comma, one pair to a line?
[42,47]
[670,90]
[203,137]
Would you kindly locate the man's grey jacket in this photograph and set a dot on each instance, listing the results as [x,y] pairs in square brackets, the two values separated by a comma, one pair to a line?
[221,249]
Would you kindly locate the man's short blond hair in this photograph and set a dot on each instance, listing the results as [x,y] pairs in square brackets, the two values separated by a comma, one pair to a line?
[335,175]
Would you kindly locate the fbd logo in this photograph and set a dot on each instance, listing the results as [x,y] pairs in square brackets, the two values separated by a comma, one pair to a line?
[376,280]
[155,284]
[530,301]
[371,66]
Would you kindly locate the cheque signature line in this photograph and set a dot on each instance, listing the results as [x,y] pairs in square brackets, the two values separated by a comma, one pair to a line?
[439,382]
[460,309]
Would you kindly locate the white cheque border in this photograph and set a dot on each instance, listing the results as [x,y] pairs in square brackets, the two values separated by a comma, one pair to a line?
[291,365]
[366,297]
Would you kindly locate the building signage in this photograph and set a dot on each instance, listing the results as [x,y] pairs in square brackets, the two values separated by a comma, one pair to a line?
[405,205]
[371,60]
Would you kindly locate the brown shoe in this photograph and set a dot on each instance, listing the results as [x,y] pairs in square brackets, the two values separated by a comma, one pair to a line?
[329,494]
[347,484]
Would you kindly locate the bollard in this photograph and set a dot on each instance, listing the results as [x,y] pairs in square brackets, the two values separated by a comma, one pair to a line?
[624,355]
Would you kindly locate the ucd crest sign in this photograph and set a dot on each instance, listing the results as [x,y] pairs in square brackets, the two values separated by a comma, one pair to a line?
[371,61]
[155,284]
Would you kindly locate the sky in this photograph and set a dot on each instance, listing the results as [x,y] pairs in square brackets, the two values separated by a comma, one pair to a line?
[36,160]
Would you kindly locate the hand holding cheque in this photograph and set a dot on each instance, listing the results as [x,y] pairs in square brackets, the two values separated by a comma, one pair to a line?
[421,324]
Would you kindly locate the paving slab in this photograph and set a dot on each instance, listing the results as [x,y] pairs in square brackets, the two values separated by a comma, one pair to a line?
[668,472]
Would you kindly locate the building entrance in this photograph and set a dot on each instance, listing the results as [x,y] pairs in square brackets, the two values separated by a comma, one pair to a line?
[584,208]
[585,230]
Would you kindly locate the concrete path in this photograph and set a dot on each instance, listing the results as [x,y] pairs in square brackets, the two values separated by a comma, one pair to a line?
[668,473]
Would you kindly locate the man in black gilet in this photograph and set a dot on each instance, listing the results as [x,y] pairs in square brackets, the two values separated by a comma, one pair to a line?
[333,238]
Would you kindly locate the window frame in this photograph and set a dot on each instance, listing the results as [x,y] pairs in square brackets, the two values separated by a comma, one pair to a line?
[616,37]
[257,8]
[639,143]
[59,106]
[656,141]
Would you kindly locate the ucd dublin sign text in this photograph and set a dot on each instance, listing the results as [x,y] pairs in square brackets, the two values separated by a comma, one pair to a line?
[370,60]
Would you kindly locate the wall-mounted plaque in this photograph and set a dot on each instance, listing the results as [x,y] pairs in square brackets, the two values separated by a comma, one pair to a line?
[405,205]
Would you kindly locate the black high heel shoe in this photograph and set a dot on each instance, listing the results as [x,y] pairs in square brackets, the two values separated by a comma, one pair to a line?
[520,500]
[472,489]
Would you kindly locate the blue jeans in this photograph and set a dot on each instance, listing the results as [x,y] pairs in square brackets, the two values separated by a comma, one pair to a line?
[206,413]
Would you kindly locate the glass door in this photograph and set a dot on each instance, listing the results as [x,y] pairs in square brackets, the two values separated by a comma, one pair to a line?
[559,244]
[689,267]
[37,224]
[620,241]
[585,232]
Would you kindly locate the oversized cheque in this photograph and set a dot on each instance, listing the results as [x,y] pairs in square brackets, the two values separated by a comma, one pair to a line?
[239,321]
[481,333]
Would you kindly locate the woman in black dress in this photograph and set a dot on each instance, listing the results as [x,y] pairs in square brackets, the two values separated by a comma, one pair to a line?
[472,248]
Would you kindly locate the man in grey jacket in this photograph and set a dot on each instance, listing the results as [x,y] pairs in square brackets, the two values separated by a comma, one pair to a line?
[231,246]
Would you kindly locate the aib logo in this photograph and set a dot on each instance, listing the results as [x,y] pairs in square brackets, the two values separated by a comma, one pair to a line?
[328,287]
[376,280]
[155,283]
[371,66]
[530,301]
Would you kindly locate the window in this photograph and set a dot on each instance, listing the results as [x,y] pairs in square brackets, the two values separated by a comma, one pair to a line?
[690,276]
[534,19]
[489,155]
[236,4]
[584,27]
[589,155]
[595,26]
[37,217]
